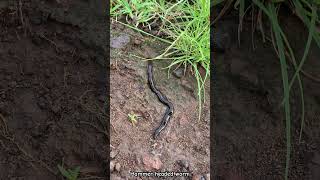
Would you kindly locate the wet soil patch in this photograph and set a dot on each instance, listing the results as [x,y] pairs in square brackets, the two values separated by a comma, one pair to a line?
[52,89]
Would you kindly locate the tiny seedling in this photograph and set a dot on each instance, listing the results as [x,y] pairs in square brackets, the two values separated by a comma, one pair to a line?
[69,173]
[133,118]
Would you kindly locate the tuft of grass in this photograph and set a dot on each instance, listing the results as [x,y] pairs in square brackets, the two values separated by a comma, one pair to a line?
[185,25]
[69,174]
[133,118]
[307,12]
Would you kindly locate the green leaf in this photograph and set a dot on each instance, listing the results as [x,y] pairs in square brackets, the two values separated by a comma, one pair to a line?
[64,172]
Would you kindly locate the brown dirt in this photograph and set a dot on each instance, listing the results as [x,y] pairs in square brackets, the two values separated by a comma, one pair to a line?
[249,124]
[52,74]
[184,140]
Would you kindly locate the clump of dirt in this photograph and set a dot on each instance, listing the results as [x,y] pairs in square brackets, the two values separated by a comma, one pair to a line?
[249,121]
[184,145]
[52,89]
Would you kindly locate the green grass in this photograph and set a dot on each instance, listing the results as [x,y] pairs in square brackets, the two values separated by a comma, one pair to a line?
[307,12]
[69,174]
[133,118]
[186,28]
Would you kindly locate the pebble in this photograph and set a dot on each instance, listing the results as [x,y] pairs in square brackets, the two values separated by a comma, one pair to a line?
[112,165]
[207,176]
[179,72]
[113,154]
[118,167]
[120,41]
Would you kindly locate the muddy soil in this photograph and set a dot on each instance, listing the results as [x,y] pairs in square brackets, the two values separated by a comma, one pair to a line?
[184,145]
[52,89]
[249,124]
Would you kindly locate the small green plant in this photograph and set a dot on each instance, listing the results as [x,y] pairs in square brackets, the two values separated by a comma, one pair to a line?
[133,118]
[68,173]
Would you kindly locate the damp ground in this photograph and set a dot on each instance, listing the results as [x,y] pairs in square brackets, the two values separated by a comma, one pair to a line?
[52,89]
[184,145]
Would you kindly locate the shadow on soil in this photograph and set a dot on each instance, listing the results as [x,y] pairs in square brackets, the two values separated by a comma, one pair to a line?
[249,123]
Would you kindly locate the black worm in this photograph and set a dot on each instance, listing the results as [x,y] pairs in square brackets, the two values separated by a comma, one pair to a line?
[163,99]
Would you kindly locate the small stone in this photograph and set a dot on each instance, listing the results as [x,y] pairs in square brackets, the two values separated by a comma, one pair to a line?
[207,176]
[118,167]
[179,72]
[119,42]
[113,154]
[112,165]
